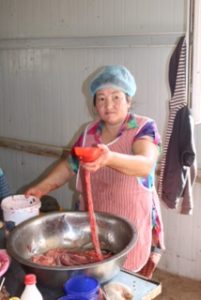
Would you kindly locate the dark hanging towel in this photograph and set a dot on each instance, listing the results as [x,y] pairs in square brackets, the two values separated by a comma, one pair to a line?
[178,163]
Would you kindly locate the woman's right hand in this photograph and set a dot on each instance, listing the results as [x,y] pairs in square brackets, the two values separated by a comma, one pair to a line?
[36,190]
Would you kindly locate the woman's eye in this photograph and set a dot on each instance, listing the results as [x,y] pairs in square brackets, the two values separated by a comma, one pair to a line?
[100,99]
[117,97]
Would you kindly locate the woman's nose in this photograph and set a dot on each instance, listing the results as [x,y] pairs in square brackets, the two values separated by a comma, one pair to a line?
[108,103]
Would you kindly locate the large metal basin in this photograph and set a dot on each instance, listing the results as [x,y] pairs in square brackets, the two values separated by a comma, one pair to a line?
[71,230]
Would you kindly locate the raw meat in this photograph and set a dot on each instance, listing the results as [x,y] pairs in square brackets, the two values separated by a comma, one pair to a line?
[118,291]
[65,257]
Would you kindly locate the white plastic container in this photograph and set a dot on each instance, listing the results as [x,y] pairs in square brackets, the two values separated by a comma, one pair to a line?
[19,208]
[31,292]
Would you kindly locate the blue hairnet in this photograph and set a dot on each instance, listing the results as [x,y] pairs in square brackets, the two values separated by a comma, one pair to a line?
[114,76]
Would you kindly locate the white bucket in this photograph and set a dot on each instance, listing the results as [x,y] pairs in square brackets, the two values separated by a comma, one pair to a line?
[19,208]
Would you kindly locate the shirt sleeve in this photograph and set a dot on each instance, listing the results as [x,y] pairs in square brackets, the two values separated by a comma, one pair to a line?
[72,158]
[149,129]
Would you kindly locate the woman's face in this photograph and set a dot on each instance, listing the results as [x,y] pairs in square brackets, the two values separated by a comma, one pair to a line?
[112,105]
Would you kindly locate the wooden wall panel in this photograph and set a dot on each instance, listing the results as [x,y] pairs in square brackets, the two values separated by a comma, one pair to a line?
[45,97]
[183,243]
[61,18]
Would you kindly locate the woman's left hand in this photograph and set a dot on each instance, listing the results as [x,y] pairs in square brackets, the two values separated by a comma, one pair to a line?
[100,162]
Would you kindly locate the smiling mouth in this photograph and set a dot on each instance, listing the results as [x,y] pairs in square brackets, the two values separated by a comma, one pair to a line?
[109,113]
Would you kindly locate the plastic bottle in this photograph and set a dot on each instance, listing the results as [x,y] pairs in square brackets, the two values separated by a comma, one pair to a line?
[31,292]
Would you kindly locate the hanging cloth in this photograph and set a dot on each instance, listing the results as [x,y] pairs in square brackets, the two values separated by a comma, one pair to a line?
[178,163]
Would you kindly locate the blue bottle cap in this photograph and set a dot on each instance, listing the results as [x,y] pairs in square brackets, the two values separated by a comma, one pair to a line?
[81,285]
[72,297]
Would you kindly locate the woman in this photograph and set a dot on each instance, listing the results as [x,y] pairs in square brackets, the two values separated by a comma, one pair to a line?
[122,178]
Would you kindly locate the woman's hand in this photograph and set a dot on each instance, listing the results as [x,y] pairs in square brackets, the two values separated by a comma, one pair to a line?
[37,190]
[100,162]
[140,163]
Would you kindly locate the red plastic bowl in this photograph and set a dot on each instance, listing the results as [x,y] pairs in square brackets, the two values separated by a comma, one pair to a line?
[4,261]
[87,154]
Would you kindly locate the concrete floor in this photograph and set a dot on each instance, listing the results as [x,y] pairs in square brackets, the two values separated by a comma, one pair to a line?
[177,288]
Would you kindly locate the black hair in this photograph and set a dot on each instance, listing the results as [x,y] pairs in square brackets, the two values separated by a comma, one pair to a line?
[94,100]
